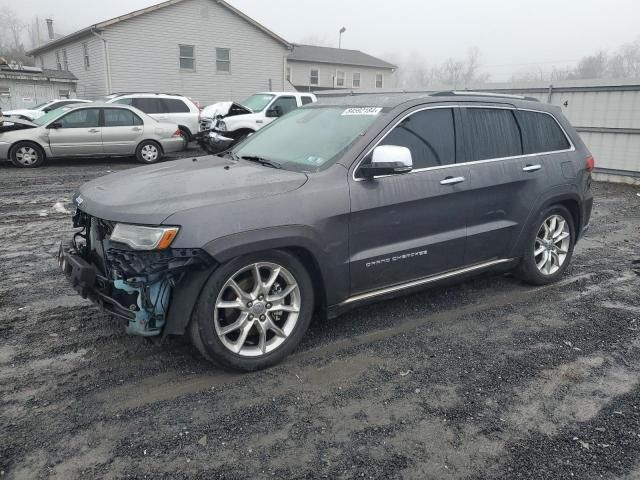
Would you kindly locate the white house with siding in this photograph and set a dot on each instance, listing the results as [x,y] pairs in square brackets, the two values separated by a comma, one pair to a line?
[206,49]
[313,68]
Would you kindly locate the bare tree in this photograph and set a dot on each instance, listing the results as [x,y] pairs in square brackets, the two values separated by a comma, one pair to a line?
[11,23]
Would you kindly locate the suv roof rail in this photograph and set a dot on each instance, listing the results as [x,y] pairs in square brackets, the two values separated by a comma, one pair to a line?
[119,94]
[451,93]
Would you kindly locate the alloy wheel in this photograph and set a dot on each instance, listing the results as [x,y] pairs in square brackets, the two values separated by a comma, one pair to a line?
[552,244]
[257,309]
[27,155]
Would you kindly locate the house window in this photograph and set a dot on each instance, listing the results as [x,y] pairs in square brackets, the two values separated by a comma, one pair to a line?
[187,57]
[65,60]
[356,80]
[223,60]
[5,91]
[289,75]
[58,64]
[379,80]
[339,79]
[314,77]
[85,53]
[64,93]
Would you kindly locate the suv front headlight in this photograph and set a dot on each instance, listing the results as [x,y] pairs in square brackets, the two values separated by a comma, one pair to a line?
[144,238]
[221,126]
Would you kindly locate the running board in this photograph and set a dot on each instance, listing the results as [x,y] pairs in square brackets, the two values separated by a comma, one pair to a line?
[424,281]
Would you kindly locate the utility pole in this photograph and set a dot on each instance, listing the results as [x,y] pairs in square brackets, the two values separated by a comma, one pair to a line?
[342,30]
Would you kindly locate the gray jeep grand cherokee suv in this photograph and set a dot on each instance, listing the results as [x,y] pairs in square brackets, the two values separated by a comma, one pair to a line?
[347,201]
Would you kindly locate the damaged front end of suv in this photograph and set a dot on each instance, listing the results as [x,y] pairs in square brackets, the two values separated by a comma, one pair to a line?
[128,270]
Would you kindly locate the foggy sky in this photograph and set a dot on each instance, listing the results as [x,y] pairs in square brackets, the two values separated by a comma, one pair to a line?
[511,35]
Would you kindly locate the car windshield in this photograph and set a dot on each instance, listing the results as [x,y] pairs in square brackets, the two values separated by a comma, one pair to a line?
[309,138]
[52,115]
[257,103]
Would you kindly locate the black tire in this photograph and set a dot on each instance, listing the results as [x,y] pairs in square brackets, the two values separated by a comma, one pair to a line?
[527,270]
[144,152]
[203,330]
[26,150]
[186,135]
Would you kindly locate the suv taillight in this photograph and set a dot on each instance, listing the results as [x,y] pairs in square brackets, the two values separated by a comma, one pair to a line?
[591,163]
[177,133]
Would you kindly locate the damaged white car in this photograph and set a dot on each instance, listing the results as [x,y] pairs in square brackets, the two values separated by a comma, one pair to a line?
[224,124]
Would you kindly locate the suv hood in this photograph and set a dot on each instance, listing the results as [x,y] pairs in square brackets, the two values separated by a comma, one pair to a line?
[224,109]
[148,195]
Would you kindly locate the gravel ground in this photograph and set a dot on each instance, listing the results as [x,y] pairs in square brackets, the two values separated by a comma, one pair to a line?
[487,379]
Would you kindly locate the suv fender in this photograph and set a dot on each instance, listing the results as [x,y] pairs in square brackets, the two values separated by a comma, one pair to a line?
[297,239]
[566,195]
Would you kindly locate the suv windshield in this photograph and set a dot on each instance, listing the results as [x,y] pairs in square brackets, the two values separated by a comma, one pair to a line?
[309,138]
[256,103]
[47,117]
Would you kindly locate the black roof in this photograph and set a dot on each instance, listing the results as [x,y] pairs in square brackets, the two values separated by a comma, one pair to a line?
[341,56]
[395,99]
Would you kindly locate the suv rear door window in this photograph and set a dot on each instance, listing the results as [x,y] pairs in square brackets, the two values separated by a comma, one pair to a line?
[490,133]
[149,105]
[174,105]
[306,100]
[540,133]
[429,135]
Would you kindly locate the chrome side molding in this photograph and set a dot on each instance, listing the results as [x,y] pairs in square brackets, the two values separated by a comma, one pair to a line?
[424,281]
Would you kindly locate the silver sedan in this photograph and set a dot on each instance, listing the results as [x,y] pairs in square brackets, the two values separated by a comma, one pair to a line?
[89,130]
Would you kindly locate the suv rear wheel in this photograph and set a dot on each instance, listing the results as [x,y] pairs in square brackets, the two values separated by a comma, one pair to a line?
[253,311]
[549,247]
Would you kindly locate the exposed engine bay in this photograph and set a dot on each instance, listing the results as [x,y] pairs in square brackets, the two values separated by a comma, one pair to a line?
[134,286]
[12,123]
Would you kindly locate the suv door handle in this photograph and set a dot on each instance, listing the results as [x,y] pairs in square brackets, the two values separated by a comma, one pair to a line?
[532,168]
[451,180]
[136,129]
[94,130]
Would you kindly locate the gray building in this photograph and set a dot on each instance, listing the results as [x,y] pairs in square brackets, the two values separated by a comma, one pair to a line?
[310,68]
[205,49]
[26,87]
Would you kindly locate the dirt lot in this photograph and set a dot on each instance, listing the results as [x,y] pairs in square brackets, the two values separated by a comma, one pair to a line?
[488,379]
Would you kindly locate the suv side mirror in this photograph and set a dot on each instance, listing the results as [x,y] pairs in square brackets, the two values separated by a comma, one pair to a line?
[55,125]
[274,112]
[388,160]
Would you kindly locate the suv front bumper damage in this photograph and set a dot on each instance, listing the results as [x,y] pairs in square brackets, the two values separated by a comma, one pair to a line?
[133,286]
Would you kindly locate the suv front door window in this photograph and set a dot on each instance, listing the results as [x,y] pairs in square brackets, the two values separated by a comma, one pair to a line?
[405,227]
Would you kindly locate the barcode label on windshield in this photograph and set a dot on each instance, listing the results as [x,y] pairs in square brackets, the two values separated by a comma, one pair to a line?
[362,111]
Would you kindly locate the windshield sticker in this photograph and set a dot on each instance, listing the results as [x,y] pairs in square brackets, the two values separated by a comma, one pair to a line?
[362,111]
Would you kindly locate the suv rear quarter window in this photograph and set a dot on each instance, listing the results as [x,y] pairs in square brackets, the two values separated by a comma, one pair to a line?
[490,133]
[306,100]
[540,133]
[430,136]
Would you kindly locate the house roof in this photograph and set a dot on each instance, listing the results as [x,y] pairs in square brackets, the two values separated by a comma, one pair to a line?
[341,56]
[100,26]
[35,72]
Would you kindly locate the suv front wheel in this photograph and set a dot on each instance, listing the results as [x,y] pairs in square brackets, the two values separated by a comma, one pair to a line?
[253,311]
[549,248]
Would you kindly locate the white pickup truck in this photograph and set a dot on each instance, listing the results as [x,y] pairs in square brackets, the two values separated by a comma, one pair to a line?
[232,122]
